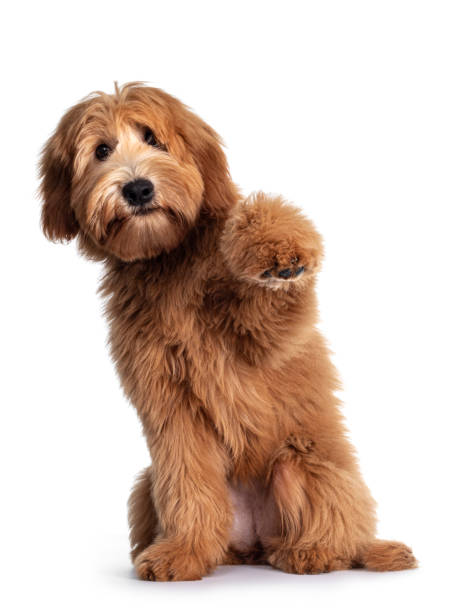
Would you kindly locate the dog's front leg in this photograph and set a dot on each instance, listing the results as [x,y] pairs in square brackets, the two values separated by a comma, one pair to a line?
[271,253]
[190,497]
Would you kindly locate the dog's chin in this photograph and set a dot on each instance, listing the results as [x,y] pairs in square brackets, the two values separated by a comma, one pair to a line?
[142,234]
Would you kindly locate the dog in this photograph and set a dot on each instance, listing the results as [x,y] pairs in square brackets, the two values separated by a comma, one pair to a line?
[212,309]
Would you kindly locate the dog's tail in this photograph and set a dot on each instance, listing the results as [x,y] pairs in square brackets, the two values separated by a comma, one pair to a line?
[385,555]
[142,515]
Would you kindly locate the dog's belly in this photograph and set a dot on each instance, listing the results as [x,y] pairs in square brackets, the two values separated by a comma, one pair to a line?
[255,517]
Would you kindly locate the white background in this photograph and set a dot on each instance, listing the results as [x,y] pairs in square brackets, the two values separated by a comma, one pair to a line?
[351,110]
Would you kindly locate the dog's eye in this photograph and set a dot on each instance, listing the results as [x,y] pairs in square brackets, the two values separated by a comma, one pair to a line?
[103,151]
[150,138]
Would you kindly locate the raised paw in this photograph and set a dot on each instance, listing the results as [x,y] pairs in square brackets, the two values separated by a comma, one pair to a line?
[271,243]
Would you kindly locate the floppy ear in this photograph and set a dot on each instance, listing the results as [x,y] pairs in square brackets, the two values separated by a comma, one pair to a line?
[206,147]
[57,218]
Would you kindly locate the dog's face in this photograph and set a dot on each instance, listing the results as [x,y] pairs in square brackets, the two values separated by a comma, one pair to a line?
[130,173]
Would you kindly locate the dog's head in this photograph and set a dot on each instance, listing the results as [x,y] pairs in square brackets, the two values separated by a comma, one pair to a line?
[130,173]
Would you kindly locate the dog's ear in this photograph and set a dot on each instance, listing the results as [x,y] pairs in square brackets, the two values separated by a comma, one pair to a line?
[206,147]
[57,218]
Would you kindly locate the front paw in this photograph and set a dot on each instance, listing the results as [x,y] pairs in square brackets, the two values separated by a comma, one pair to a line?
[168,561]
[314,560]
[271,243]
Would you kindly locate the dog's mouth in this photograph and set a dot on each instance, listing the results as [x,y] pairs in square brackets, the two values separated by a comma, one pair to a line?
[174,216]
[143,211]
[115,225]
[113,228]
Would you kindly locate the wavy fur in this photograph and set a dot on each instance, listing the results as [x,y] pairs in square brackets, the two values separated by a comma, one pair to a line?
[212,310]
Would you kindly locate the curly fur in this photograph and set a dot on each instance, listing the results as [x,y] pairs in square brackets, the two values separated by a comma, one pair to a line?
[212,310]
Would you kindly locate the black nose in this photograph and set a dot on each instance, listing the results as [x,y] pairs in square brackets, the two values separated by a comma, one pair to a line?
[138,192]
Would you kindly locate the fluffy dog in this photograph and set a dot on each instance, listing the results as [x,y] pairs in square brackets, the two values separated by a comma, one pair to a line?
[212,309]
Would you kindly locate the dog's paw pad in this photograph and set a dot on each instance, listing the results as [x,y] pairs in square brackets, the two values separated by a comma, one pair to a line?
[283,274]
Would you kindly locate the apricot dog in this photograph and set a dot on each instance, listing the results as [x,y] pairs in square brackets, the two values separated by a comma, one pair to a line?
[212,309]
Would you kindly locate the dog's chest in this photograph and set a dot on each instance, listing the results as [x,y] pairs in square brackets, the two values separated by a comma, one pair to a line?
[163,347]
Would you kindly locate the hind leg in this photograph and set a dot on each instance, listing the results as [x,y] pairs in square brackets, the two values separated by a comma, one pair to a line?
[142,514]
[326,512]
